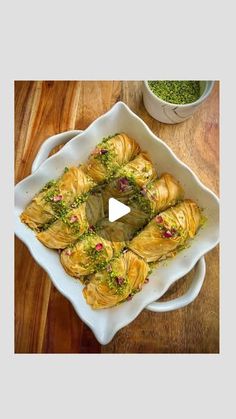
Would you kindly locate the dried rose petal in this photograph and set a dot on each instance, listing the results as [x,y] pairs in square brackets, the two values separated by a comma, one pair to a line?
[57,198]
[159,219]
[68,252]
[167,234]
[73,218]
[119,280]
[99,246]
[122,183]
[103,151]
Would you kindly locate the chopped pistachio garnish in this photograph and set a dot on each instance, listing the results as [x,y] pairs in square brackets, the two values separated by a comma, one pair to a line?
[109,137]
[51,183]
[116,282]
[47,225]
[79,200]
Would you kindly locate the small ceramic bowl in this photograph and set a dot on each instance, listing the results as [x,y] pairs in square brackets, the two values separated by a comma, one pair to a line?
[171,113]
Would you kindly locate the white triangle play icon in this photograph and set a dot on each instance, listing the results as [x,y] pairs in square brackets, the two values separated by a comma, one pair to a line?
[116,209]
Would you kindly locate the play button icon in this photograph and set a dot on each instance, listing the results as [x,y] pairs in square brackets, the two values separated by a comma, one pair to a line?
[116,210]
[119,214]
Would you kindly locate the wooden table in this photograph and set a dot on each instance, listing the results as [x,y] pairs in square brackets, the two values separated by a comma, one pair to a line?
[45,321]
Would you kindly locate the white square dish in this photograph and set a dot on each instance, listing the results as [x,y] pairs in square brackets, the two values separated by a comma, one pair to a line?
[105,323]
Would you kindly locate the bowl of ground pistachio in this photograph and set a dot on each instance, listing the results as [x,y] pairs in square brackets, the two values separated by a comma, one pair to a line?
[173,101]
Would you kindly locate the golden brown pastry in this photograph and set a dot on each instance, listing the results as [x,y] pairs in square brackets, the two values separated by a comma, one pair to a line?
[167,231]
[70,227]
[93,251]
[109,156]
[126,274]
[55,198]
[122,277]
[140,170]
[163,193]
[130,179]
[146,202]
[69,214]
[50,203]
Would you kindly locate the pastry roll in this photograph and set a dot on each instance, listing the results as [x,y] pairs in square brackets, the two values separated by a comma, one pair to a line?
[70,227]
[93,251]
[126,274]
[163,193]
[109,156]
[121,278]
[135,219]
[140,170]
[126,187]
[52,201]
[154,197]
[130,179]
[167,232]
[146,202]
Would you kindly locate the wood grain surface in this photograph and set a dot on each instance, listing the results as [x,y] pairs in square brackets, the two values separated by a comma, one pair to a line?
[45,321]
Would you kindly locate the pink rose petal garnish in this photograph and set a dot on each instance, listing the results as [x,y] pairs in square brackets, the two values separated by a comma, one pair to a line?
[123,183]
[68,252]
[73,218]
[159,219]
[99,247]
[167,234]
[119,280]
[57,198]
[103,151]
[91,228]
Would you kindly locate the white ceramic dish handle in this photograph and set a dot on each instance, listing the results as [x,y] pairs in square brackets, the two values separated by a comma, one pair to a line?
[49,144]
[188,297]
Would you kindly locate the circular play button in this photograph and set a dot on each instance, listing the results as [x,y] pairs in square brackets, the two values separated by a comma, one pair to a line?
[116,209]
[115,213]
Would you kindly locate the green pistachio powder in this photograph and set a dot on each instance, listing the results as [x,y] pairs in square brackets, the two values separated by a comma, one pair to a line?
[177,92]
